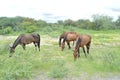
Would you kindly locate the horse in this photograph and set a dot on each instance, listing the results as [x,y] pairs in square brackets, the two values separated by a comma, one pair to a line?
[72,36]
[82,40]
[62,37]
[25,39]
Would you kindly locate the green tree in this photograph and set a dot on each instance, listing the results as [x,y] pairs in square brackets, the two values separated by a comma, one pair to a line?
[40,23]
[69,22]
[60,22]
[12,22]
[85,24]
[7,30]
[102,22]
[117,23]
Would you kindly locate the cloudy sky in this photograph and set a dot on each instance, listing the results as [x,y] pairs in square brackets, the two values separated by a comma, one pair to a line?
[53,10]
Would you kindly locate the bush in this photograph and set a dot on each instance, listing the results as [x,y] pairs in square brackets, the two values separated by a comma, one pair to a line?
[30,29]
[7,30]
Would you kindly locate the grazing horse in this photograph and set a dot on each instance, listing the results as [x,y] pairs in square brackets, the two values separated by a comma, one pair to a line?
[82,40]
[62,37]
[72,36]
[24,39]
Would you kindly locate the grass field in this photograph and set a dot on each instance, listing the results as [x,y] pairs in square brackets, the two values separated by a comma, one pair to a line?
[103,60]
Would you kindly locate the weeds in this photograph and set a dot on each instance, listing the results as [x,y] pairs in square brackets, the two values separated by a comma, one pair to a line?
[58,64]
[58,70]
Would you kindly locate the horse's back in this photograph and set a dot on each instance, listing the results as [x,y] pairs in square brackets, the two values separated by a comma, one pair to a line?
[72,36]
[65,33]
[85,39]
[27,38]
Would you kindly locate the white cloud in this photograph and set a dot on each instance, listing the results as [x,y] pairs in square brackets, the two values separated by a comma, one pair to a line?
[59,9]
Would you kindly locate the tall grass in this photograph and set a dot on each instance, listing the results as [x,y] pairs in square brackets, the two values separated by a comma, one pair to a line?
[103,58]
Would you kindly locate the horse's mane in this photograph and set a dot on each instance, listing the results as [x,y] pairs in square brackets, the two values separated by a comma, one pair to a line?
[17,40]
[65,38]
[78,42]
[61,36]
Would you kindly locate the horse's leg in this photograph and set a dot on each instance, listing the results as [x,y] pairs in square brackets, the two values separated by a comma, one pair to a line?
[23,45]
[84,51]
[68,43]
[73,43]
[35,45]
[38,44]
[88,47]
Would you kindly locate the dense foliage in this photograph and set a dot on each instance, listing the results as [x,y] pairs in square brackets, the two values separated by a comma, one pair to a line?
[25,24]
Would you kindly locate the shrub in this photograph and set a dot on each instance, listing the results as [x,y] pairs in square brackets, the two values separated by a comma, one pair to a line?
[30,29]
[7,30]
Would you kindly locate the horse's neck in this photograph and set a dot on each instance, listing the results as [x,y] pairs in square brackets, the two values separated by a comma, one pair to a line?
[76,47]
[60,40]
[77,44]
[16,43]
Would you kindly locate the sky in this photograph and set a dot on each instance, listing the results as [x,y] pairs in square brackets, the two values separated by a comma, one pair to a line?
[54,10]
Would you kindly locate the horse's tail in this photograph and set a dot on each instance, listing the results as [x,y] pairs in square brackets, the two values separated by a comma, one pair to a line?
[38,37]
[39,41]
[65,38]
[60,41]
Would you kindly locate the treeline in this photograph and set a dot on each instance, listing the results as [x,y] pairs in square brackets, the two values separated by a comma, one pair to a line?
[24,24]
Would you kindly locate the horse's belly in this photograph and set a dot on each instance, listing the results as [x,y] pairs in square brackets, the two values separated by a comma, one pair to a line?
[27,42]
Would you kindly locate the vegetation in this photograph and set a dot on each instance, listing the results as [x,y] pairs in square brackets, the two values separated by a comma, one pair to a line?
[27,25]
[103,59]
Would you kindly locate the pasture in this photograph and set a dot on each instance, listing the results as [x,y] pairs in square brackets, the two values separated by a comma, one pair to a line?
[53,64]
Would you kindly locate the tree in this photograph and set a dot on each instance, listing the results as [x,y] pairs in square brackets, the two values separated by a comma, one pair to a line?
[69,22]
[12,22]
[85,24]
[102,22]
[117,23]
[40,23]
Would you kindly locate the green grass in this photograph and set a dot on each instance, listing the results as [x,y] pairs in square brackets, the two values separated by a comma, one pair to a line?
[103,58]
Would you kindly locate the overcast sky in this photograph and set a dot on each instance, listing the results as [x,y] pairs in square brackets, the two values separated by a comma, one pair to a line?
[53,10]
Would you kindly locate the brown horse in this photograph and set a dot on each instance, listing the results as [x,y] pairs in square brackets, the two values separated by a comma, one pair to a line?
[62,37]
[72,36]
[82,40]
[24,39]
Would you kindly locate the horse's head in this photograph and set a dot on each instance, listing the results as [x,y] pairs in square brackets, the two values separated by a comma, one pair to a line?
[12,50]
[62,46]
[75,54]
